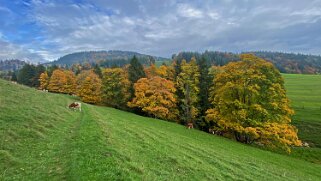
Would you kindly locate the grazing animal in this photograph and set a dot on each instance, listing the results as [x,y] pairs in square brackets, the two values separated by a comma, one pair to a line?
[210,130]
[189,126]
[75,105]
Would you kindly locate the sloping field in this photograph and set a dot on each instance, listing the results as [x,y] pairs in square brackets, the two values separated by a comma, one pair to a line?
[305,94]
[40,139]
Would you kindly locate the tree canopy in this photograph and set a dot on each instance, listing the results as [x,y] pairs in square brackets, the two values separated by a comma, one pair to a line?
[249,102]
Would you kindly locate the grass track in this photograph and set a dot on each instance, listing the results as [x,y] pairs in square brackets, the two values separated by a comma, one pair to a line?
[43,140]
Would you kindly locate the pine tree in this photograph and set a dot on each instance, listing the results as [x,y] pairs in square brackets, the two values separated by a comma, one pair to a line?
[39,70]
[135,72]
[205,82]
[98,71]
[14,77]
[27,74]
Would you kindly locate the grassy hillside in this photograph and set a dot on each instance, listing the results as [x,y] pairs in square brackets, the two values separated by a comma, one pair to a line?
[42,140]
[305,94]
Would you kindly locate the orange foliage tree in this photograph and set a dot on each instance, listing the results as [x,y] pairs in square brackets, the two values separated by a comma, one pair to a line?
[70,86]
[62,81]
[44,80]
[90,88]
[156,97]
[249,102]
[57,81]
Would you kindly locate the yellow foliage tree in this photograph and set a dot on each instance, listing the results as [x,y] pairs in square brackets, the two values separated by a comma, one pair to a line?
[57,81]
[156,97]
[250,102]
[44,80]
[115,87]
[90,89]
[70,86]
[166,72]
[188,83]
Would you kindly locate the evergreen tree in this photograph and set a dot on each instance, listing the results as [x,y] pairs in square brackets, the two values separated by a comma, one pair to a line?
[97,71]
[135,72]
[205,82]
[14,77]
[51,69]
[39,70]
[27,74]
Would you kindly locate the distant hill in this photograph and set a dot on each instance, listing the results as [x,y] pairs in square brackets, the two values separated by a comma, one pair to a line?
[11,65]
[293,63]
[285,62]
[104,58]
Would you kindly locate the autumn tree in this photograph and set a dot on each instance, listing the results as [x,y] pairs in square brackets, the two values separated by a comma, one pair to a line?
[150,71]
[57,81]
[70,86]
[188,83]
[249,102]
[62,81]
[90,88]
[166,72]
[38,71]
[115,87]
[156,97]
[44,80]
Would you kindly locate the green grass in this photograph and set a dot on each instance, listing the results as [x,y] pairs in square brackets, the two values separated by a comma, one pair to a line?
[41,139]
[304,92]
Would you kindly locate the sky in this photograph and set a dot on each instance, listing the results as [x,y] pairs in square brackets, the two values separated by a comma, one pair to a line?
[40,30]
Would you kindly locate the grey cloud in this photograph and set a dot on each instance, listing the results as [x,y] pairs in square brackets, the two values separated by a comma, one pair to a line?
[166,27]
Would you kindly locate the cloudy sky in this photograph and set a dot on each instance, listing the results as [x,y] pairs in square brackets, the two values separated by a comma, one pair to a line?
[39,30]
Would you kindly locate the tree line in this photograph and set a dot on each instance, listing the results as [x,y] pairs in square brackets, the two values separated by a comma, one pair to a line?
[244,100]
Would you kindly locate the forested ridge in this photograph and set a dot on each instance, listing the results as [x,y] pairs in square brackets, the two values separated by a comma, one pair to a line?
[285,62]
[104,58]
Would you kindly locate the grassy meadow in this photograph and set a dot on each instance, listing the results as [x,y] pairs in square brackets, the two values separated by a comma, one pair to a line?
[304,92]
[41,139]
